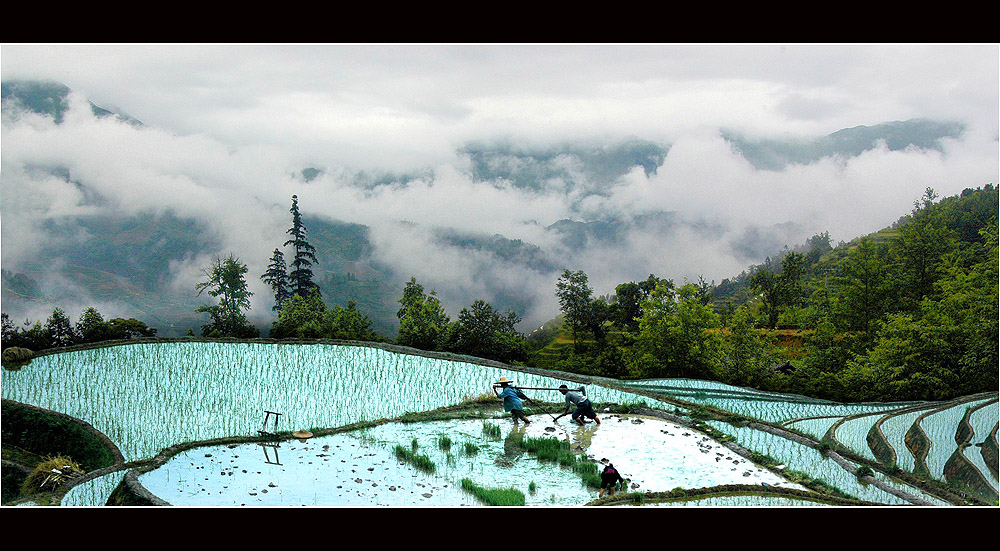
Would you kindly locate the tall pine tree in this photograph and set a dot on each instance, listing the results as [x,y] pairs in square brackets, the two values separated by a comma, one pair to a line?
[277,278]
[300,278]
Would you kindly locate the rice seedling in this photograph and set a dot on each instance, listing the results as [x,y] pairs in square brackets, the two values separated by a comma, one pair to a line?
[471,448]
[444,443]
[503,497]
[421,462]
[532,487]
[491,430]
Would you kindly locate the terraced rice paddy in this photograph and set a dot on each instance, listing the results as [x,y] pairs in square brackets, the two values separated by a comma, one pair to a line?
[939,428]
[149,396]
[895,427]
[983,421]
[802,458]
[770,407]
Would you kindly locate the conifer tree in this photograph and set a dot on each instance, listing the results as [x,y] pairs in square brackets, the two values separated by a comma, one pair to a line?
[277,278]
[300,277]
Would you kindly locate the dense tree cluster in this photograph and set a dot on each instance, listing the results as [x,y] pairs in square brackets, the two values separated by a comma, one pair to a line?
[480,330]
[58,331]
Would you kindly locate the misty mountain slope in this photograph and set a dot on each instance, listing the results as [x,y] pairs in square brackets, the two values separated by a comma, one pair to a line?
[48,98]
[591,167]
[772,154]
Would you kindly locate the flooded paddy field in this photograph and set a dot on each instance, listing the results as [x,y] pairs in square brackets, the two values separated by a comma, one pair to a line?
[360,468]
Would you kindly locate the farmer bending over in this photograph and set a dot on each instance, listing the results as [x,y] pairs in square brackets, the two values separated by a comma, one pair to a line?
[610,478]
[583,406]
[511,400]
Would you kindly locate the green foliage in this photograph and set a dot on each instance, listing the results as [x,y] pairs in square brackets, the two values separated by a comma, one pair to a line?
[225,280]
[502,497]
[864,470]
[301,275]
[677,336]
[471,448]
[484,332]
[444,442]
[276,277]
[422,320]
[778,290]
[748,356]
[907,313]
[309,318]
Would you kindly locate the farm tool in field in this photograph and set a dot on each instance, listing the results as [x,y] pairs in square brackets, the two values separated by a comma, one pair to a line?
[520,388]
[267,416]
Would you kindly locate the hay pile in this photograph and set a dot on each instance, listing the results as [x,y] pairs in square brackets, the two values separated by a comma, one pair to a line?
[50,474]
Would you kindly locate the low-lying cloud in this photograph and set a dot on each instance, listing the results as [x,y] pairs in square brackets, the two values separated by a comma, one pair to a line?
[724,214]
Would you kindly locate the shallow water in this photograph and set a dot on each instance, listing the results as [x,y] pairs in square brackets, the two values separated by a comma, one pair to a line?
[360,469]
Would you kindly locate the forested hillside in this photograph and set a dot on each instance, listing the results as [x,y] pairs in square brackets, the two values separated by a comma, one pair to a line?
[907,313]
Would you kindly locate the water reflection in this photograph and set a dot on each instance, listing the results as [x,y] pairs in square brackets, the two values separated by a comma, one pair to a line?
[512,451]
[267,458]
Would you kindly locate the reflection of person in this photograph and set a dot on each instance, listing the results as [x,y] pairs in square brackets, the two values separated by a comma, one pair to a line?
[511,400]
[583,406]
[610,478]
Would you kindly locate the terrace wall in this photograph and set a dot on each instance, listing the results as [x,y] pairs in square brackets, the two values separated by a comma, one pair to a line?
[49,433]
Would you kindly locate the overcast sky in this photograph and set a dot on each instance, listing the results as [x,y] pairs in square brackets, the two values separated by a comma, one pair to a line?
[229,126]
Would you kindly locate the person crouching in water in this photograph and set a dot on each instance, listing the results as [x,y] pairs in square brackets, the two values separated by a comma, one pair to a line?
[583,406]
[511,400]
[610,479]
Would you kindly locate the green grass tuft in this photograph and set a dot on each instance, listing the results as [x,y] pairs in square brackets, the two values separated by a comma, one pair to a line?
[503,497]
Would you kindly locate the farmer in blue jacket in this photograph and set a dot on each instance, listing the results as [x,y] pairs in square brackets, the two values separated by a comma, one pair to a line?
[511,399]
